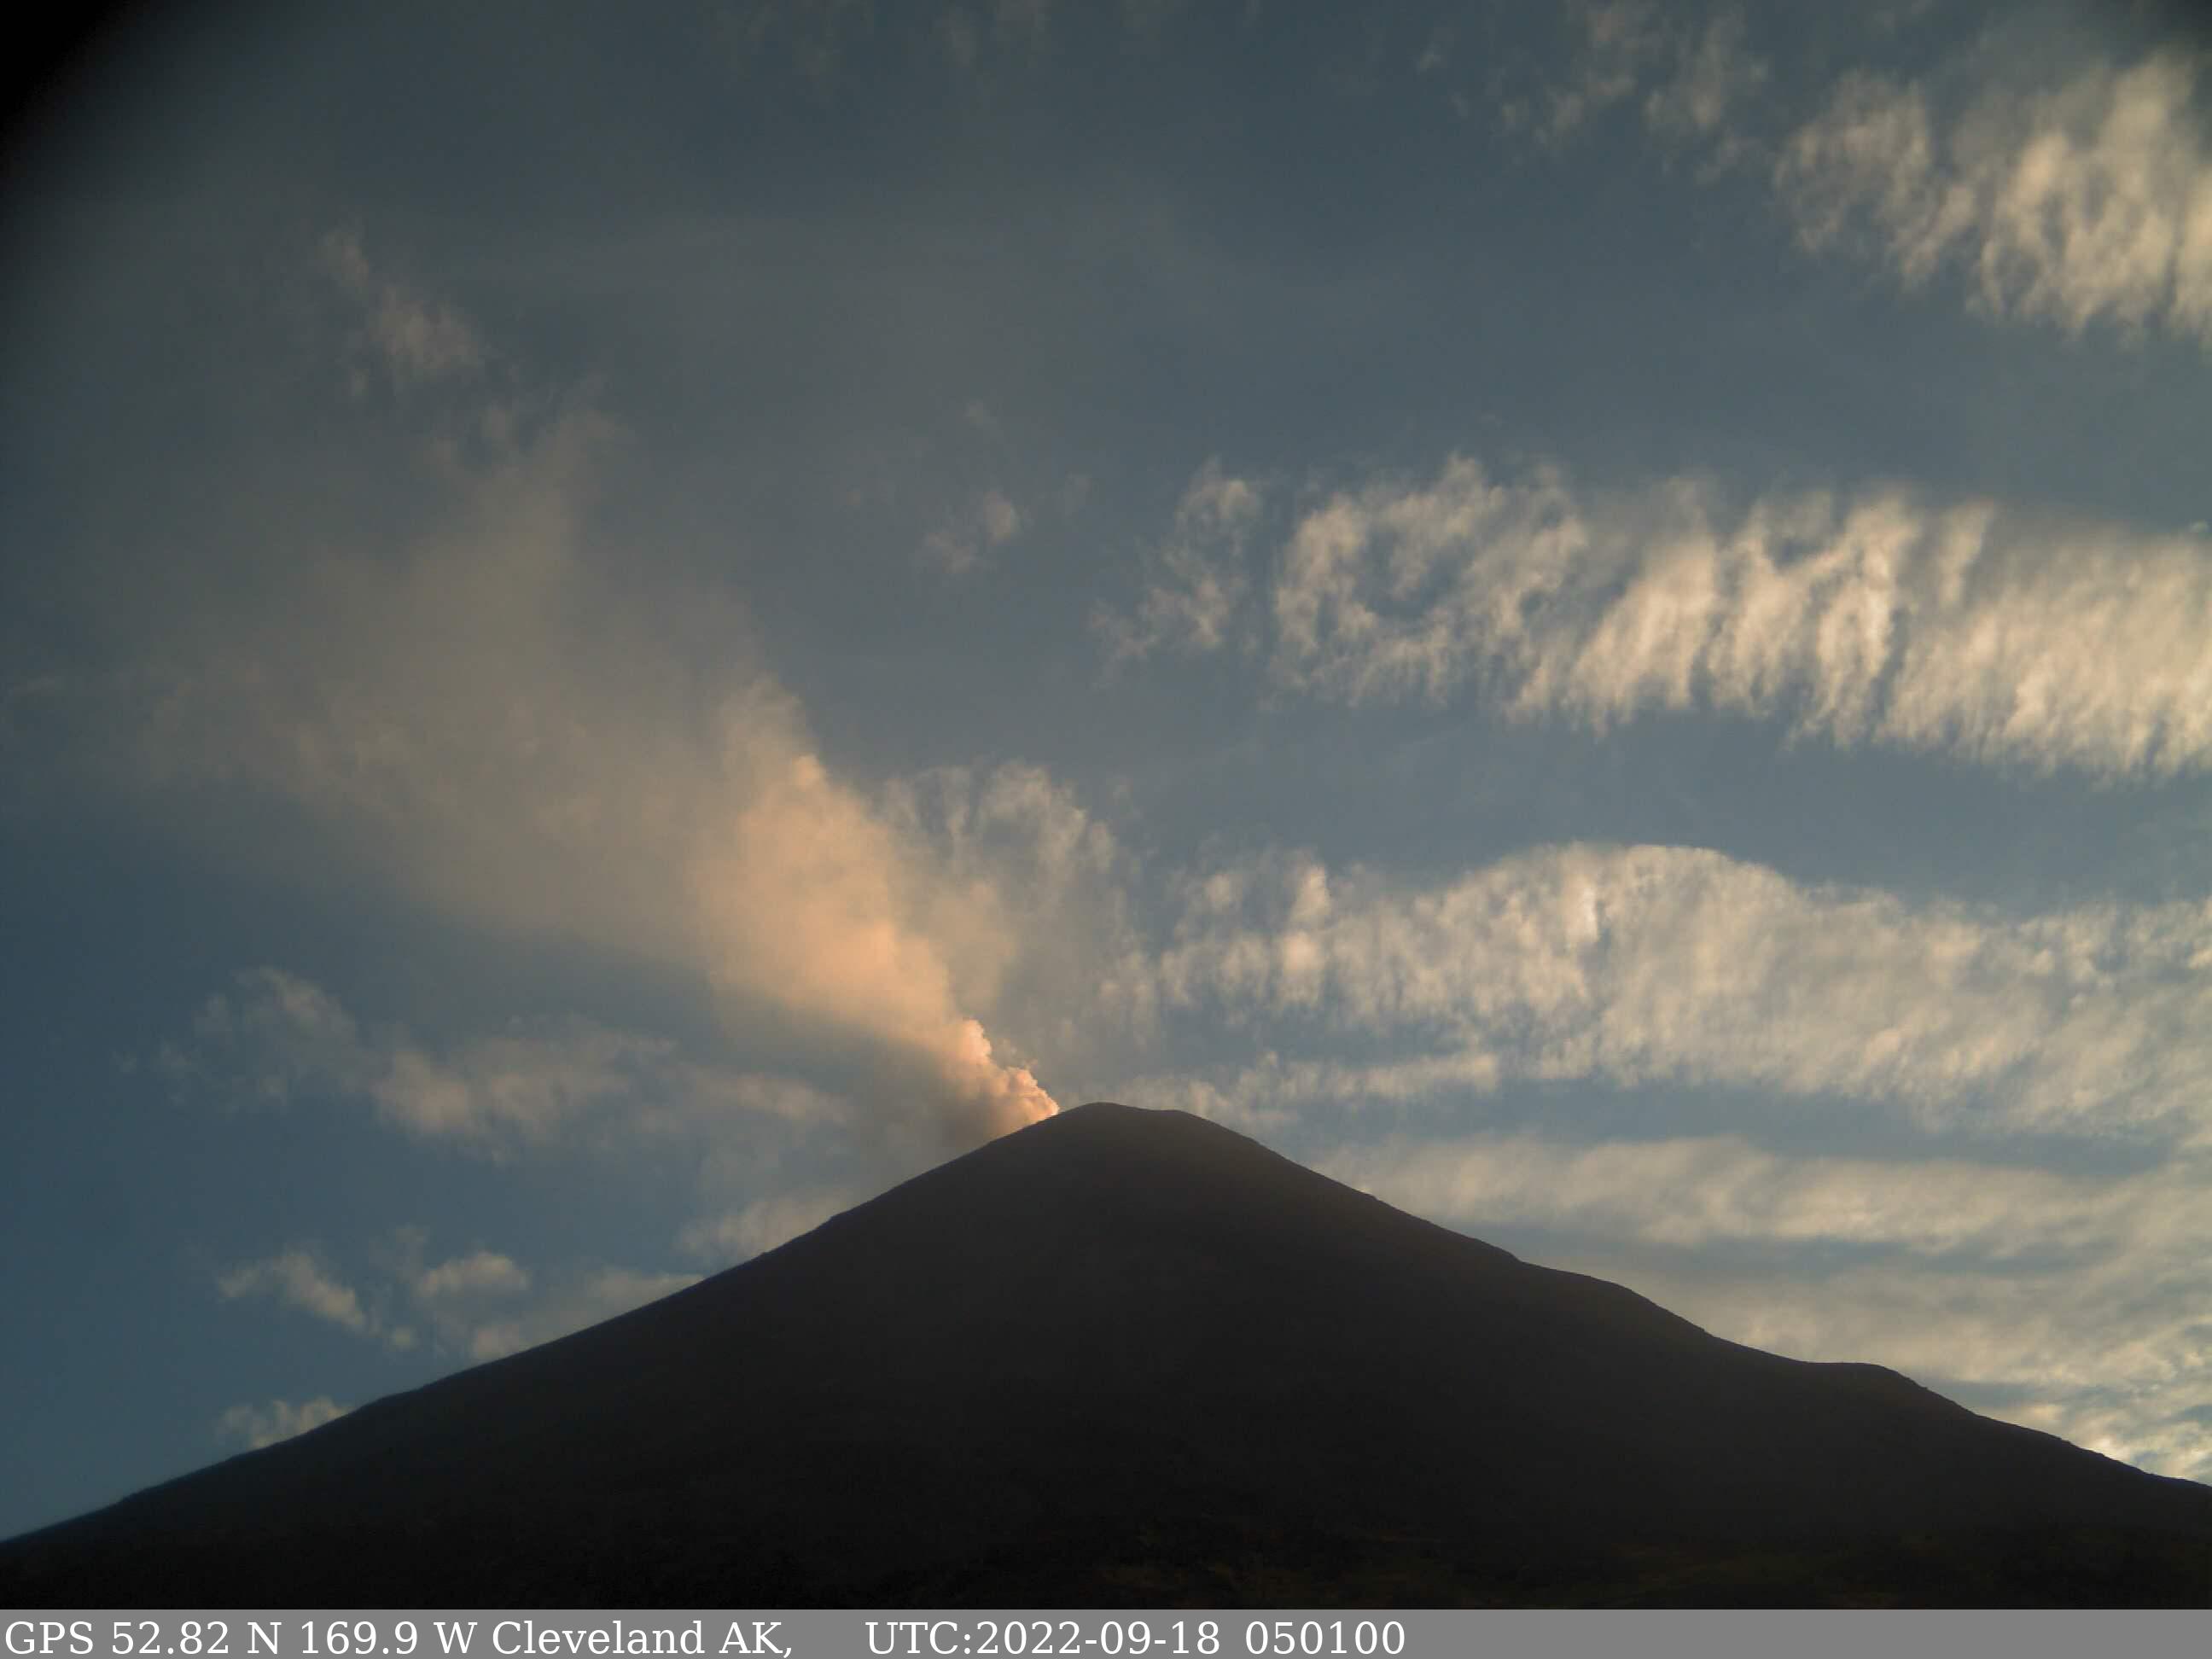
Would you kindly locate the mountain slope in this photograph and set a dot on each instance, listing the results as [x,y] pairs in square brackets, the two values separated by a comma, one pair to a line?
[1130,1357]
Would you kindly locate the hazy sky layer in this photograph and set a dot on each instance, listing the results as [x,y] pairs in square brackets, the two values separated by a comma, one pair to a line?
[616,631]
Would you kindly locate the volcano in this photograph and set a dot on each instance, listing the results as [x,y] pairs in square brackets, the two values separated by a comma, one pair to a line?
[1128,1357]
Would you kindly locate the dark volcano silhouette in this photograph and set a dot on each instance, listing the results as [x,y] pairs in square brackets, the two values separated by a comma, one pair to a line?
[1129,1358]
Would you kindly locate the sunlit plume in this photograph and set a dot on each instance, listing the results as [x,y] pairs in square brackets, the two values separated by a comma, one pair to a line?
[811,902]
[501,726]
[1005,1097]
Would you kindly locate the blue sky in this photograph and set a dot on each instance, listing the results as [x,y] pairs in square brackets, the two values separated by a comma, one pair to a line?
[616,633]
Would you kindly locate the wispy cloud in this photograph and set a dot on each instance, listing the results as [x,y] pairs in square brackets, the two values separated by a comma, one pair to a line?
[2072,1303]
[294,1278]
[1689,1192]
[2112,1354]
[1711,77]
[761,1225]
[273,1037]
[404,335]
[588,1300]
[270,1037]
[2064,188]
[2088,200]
[256,1426]
[1027,857]
[485,1304]
[960,545]
[1640,965]
[478,1306]
[1197,583]
[1995,636]
[1617,43]
[481,1272]
[1687,78]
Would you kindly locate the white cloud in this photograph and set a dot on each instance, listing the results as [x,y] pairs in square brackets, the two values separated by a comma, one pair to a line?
[761,1225]
[1690,1192]
[596,1297]
[478,1306]
[295,1278]
[1020,855]
[532,1084]
[1197,586]
[1691,78]
[1620,40]
[2070,1303]
[481,1272]
[755,1093]
[2089,202]
[1712,76]
[272,1034]
[1961,627]
[256,1426]
[275,1035]
[2075,198]
[1642,965]
[1257,1100]
[2115,1355]
[959,545]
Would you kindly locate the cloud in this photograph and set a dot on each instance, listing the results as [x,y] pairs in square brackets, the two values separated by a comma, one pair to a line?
[1999,636]
[1198,587]
[274,1037]
[1643,965]
[597,1296]
[498,711]
[761,1225]
[1023,857]
[2088,201]
[2075,198]
[483,1272]
[295,1278]
[959,546]
[482,1305]
[411,338]
[1691,78]
[1712,76]
[1619,41]
[2112,1356]
[533,1084]
[1691,1191]
[256,1426]
[2072,1303]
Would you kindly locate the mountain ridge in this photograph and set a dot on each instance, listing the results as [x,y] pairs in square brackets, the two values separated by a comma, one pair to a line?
[1131,1354]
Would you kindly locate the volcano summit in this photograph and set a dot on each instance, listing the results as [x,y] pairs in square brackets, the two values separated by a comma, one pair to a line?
[1130,1358]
